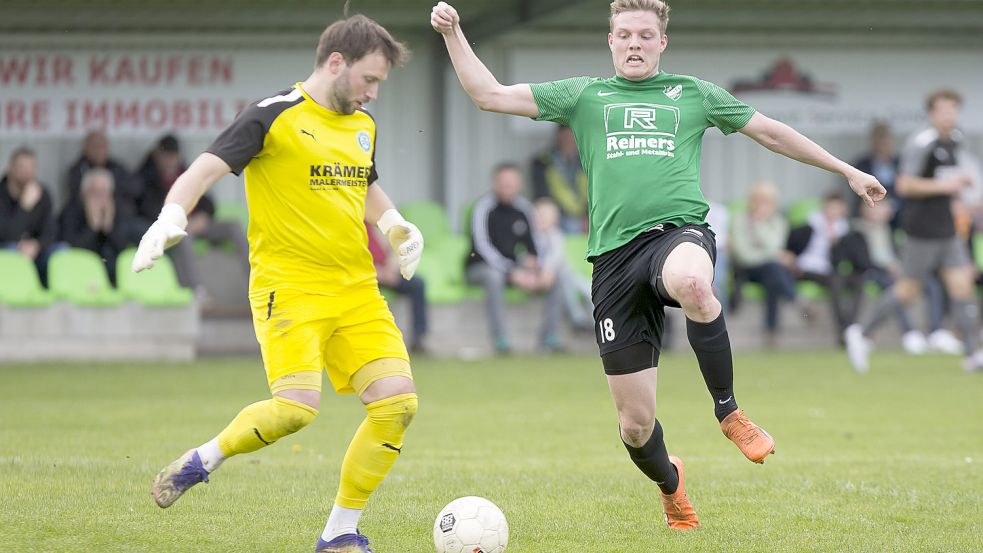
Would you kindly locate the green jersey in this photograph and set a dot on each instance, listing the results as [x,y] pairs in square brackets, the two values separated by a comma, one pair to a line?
[640,143]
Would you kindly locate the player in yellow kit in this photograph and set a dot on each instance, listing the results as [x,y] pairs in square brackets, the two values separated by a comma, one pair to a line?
[309,159]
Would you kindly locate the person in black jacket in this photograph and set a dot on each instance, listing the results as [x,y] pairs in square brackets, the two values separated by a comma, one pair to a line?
[26,222]
[504,249]
[95,155]
[95,221]
[161,168]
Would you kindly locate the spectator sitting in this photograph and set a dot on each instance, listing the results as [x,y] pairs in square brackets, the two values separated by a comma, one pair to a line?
[819,247]
[96,224]
[26,221]
[554,264]
[757,241]
[504,247]
[95,155]
[161,168]
[558,174]
[387,271]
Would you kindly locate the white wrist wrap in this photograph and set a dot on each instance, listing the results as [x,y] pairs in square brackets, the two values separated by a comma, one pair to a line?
[174,213]
[388,220]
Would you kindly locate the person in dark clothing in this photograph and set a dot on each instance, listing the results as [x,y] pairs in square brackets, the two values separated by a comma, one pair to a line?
[161,168]
[26,221]
[95,155]
[504,252]
[557,174]
[96,223]
[930,178]
[882,162]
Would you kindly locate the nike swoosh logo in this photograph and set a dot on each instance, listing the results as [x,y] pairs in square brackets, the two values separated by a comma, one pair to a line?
[725,401]
[601,93]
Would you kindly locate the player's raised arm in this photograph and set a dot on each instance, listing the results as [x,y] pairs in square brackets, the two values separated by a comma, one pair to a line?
[780,138]
[169,227]
[483,88]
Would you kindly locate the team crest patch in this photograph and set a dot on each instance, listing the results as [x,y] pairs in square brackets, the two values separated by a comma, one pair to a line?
[364,141]
[674,92]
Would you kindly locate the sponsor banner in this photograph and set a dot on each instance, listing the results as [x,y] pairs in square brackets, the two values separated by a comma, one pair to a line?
[51,93]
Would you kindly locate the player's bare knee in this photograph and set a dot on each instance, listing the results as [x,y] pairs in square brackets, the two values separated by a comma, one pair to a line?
[635,432]
[695,294]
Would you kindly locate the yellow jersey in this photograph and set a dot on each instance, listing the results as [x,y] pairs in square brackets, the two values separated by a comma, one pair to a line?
[307,171]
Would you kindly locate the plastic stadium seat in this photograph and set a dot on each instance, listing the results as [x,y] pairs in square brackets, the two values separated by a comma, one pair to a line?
[157,287]
[798,213]
[442,267]
[19,282]
[79,276]
[232,211]
[430,218]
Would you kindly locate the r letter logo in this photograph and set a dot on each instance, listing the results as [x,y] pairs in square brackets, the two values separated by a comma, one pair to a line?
[638,129]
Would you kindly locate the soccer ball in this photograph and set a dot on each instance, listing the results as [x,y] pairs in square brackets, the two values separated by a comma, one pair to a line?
[471,525]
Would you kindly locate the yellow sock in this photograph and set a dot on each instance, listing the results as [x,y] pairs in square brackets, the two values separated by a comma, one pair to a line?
[374,449]
[262,423]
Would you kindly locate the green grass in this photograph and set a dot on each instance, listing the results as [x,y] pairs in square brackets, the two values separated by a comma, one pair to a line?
[890,461]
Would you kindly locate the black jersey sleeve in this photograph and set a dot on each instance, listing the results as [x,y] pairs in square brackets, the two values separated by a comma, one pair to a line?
[241,141]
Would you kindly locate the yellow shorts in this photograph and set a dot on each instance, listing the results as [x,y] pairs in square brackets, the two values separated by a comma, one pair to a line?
[299,332]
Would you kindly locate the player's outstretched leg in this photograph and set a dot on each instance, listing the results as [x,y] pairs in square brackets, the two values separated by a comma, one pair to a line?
[667,472]
[687,276]
[256,426]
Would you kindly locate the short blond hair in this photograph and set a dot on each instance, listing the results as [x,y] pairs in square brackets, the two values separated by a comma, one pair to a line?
[658,7]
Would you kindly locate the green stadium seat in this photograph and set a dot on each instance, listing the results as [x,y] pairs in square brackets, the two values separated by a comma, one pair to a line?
[430,218]
[442,266]
[20,285]
[157,287]
[576,254]
[79,276]
[798,213]
[232,211]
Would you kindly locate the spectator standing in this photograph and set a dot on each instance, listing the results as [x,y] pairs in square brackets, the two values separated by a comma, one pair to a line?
[931,179]
[882,162]
[557,174]
[504,252]
[26,212]
[576,289]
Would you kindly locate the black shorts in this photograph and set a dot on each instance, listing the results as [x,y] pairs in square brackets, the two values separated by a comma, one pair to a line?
[630,299]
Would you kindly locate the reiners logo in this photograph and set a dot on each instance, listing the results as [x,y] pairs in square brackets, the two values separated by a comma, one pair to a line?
[640,129]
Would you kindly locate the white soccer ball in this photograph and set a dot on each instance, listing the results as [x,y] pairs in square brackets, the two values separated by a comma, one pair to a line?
[471,525]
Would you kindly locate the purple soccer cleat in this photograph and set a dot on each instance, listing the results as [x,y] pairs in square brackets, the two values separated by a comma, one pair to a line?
[345,543]
[177,478]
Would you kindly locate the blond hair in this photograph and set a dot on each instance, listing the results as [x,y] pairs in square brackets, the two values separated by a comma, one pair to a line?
[658,7]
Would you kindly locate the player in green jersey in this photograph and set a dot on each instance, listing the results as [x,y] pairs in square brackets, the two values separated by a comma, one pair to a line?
[640,135]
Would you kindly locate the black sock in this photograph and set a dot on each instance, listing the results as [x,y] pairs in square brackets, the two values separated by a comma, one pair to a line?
[711,343]
[653,460]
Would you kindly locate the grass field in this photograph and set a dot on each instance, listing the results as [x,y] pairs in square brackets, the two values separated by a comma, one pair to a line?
[891,461]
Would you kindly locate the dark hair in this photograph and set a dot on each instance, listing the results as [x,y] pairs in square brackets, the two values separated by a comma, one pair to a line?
[943,94]
[356,37]
[169,143]
[22,151]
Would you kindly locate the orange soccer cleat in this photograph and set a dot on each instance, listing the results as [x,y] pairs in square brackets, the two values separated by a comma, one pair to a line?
[679,511]
[751,439]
